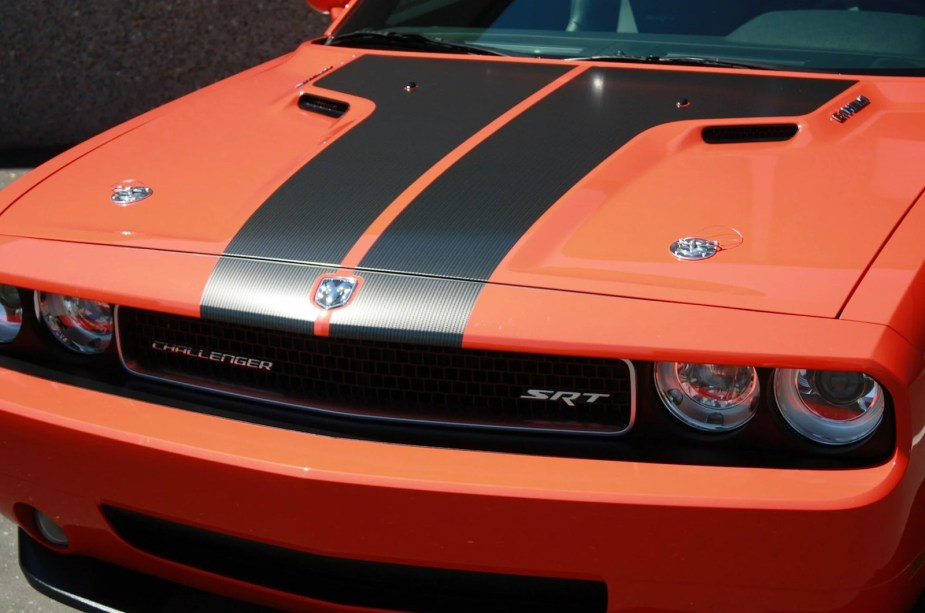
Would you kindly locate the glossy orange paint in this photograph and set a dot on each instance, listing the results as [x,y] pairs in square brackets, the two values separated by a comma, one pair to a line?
[457,509]
[802,224]
[730,539]
[775,200]
[893,290]
[326,6]
[162,280]
[498,512]
[216,133]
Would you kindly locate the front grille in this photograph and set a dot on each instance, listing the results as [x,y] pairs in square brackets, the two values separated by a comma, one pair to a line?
[383,380]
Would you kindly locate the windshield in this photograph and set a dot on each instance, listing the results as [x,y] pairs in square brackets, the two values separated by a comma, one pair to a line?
[845,36]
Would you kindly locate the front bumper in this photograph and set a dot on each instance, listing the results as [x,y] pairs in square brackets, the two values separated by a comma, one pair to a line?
[653,536]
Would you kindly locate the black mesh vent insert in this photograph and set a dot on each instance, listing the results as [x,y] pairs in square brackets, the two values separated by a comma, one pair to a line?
[324,106]
[759,133]
[380,379]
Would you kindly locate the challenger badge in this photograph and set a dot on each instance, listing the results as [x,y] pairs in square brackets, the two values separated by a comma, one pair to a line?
[334,292]
[212,356]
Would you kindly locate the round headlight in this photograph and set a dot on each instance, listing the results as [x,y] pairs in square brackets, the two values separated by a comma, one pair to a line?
[83,326]
[709,397]
[827,406]
[10,313]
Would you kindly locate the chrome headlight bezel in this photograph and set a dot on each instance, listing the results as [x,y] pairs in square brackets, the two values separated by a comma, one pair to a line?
[11,313]
[703,407]
[82,326]
[831,417]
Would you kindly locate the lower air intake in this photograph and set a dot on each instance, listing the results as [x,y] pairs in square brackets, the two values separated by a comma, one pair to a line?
[356,583]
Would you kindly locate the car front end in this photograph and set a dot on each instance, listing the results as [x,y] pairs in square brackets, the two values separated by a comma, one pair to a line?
[450,310]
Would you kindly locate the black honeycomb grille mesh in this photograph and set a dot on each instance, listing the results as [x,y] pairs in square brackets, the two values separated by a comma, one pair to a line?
[380,379]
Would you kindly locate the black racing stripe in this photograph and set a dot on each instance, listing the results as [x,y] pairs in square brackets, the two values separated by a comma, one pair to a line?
[320,212]
[408,309]
[397,308]
[272,295]
[465,222]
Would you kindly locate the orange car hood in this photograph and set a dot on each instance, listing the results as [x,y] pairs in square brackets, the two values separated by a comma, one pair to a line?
[797,221]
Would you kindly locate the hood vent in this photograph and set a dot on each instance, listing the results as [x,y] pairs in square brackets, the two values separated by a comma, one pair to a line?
[322,106]
[757,133]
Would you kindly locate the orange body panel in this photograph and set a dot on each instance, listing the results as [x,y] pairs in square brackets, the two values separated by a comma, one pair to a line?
[778,212]
[284,138]
[791,212]
[818,270]
[70,268]
[467,510]
[891,291]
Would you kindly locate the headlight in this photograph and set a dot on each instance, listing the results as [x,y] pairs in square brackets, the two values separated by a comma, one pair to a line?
[83,326]
[10,313]
[829,407]
[709,397]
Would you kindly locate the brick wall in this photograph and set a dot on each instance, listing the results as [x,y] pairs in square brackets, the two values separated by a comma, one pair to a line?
[72,68]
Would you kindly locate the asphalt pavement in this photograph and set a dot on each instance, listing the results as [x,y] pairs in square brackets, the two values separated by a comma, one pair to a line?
[16,595]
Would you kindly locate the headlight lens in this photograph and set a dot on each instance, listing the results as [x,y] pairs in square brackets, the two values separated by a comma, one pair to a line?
[829,407]
[83,326]
[709,397]
[10,313]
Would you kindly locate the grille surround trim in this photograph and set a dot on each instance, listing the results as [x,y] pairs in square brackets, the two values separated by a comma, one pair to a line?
[319,408]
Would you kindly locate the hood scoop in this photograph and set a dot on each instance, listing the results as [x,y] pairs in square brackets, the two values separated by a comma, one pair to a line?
[749,133]
[322,106]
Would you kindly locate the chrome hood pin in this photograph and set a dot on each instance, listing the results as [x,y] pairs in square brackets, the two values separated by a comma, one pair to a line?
[130,191]
[706,243]
[692,248]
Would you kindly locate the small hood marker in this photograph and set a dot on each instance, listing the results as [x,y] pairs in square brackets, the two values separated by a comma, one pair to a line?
[708,243]
[693,248]
[129,192]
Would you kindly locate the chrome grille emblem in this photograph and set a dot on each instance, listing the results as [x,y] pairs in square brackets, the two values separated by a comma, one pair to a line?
[335,292]
[130,192]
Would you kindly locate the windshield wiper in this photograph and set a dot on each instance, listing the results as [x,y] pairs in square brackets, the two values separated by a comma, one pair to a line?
[673,60]
[401,41]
